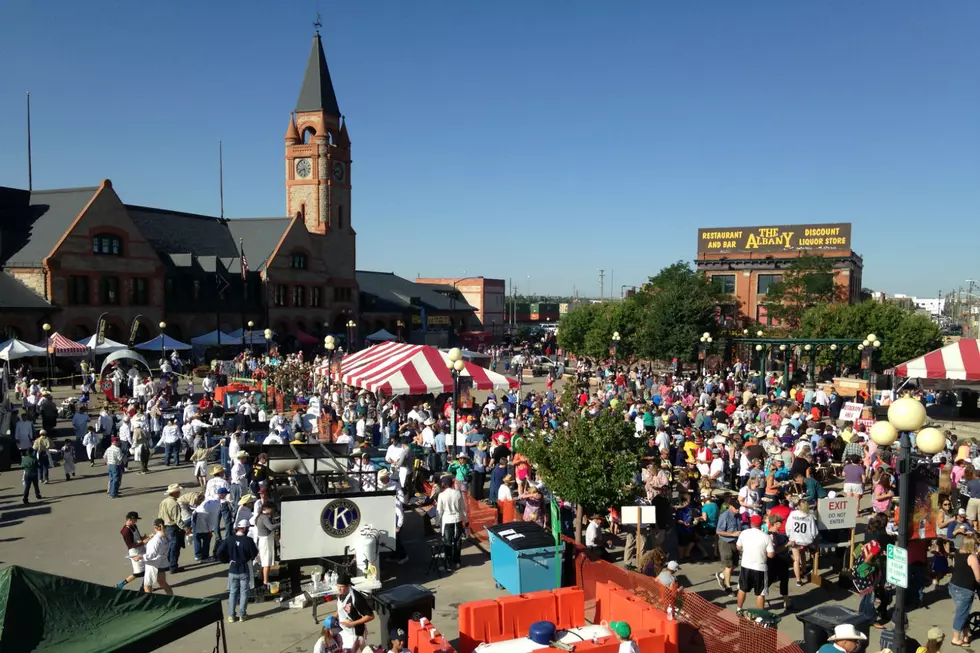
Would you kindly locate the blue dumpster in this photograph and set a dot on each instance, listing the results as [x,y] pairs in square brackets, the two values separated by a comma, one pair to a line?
[522,555]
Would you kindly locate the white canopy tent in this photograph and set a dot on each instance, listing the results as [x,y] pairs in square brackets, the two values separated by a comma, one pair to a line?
[13,349]
[162,342]
[216,338]
[107,347]
[382,336]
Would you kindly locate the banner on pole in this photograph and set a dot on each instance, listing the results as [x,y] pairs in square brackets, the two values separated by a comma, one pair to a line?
[133,329]
[100,330]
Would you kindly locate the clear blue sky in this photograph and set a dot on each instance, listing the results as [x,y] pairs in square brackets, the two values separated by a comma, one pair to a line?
[542,138]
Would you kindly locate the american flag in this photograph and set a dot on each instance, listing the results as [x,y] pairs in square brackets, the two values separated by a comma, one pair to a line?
[244,262]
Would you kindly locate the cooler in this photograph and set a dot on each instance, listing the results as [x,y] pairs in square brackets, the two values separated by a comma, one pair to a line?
[522,555]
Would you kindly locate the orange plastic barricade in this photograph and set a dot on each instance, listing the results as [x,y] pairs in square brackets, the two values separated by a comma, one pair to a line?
[517,613]
[570,602]
[602,591]
[414,630]
[507,511]
[605,645]
[479,621]
[648,642]
[626,606]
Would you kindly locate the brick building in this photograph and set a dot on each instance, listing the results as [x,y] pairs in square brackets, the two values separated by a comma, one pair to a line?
[485,295]
[746,261]
[67,256]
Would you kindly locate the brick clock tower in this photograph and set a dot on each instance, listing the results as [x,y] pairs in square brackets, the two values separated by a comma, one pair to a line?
[318,169]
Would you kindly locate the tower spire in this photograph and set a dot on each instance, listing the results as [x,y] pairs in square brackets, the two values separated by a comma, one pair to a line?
[316,93]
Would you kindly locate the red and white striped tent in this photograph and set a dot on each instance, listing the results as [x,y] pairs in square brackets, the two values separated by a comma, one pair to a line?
[395,368]
[59,345]
[959,361]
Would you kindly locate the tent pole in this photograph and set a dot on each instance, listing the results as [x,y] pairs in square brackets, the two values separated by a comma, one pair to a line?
[224,642]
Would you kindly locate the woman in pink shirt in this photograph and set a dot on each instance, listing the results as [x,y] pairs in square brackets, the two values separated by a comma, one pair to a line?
[883,493]
[957,472]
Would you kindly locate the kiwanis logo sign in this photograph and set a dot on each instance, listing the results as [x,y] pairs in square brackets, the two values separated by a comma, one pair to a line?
[792,238]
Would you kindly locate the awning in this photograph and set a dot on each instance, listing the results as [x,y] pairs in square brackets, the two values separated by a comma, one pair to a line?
[402,369]
[382,336]
[162,342]
[107,346]
[59,345]
[14,349]
[124,354]
[959,361]
[304,338]
[215,338]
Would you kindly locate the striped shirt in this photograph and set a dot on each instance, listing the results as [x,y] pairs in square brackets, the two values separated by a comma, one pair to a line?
[113,455]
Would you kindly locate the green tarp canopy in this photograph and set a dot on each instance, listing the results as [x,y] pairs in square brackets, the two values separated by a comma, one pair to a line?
[43,612]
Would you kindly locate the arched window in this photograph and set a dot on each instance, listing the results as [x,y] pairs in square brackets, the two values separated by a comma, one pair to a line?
[81,331]
[297,261]
[107,244]
[308,134]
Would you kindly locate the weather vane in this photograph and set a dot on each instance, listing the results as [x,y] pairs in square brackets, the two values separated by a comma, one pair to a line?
[317,24]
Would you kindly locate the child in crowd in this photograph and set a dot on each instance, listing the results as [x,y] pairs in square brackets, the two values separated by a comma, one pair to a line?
[68,459]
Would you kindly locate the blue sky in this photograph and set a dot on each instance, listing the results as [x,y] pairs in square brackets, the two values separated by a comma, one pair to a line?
[545,139]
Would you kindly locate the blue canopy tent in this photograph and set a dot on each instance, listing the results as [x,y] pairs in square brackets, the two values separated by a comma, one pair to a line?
[216,338]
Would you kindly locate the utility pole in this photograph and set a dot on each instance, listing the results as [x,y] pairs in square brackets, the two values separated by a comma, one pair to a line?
[602,284]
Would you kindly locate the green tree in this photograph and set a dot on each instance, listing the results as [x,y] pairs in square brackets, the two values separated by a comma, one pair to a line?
[904,334]
[671,312]
[574,327]
[807,282]
[591,463]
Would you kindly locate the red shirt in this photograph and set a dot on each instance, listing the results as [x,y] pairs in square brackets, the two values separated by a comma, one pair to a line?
[502,437]
[782,511]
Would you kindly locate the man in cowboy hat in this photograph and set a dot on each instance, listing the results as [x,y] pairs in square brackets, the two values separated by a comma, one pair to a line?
[173,524]
[846,639]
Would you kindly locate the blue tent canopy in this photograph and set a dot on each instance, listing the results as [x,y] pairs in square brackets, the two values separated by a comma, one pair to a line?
[162,342]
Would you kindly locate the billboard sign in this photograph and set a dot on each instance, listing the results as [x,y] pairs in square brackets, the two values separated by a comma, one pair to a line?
[771,240]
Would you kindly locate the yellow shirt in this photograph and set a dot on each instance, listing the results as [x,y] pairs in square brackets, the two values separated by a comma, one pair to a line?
[689,449]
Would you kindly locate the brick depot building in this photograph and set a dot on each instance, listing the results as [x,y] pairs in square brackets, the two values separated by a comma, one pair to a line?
[746,261]
[67,256]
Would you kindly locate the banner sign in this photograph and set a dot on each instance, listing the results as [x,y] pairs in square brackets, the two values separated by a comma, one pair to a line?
[837,513]
[100,330]
[133,329]
[851,411]
[789,238]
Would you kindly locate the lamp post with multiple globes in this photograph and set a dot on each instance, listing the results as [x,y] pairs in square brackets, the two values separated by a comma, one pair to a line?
[330,344]
[615,344]
[351,325]
[905,415]
[47,352]
[268,340]
[455,365]
[706,340]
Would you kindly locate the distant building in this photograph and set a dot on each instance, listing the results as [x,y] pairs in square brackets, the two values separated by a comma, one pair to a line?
[930,305]
[485,295]
[746,261]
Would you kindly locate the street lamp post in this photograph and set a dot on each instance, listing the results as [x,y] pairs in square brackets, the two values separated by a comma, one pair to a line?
[250,325]
[703,351]
[351,325]
[163,343]
[615,343]
[268,339]
[836,351]
[47,353]
[400,325]
[455,365]
[905,416]
[330,345]
[762,368]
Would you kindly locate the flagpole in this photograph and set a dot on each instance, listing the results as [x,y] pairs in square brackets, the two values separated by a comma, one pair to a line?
[30,171]
[241,253]
[221,184]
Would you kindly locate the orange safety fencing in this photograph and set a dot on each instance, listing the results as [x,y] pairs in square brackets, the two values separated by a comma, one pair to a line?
[701,625]
[481,516]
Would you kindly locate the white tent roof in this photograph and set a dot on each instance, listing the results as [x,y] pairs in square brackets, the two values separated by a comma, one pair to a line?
[127,354]
[107,347]
[14,349]
[382,334]
[212,339]
[162,342]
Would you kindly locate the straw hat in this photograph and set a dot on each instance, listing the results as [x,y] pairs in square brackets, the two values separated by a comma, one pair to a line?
[217,469]
[174,487]
[384,475]
[847,632]
[246,499]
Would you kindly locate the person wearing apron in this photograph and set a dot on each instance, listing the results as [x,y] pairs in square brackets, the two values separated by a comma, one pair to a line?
[353,612]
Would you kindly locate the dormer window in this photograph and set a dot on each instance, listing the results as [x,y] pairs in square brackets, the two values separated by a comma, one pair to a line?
[107,244]
[297,261]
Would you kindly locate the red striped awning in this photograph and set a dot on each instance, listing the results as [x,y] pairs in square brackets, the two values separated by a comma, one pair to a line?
[395,368]
[959,361]
[59,345]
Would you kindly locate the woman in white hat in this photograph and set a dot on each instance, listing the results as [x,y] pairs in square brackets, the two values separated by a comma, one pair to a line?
[846,639]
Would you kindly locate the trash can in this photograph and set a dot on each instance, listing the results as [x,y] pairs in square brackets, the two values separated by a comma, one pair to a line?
[522,556]
[399,604]
[819,623]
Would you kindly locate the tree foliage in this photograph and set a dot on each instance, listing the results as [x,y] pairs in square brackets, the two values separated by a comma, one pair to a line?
[807,282]
[662,320]
[904,334]
[591,463]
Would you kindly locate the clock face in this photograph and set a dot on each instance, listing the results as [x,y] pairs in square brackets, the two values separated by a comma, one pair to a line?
[340,518]
[338,171]
[303,168]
